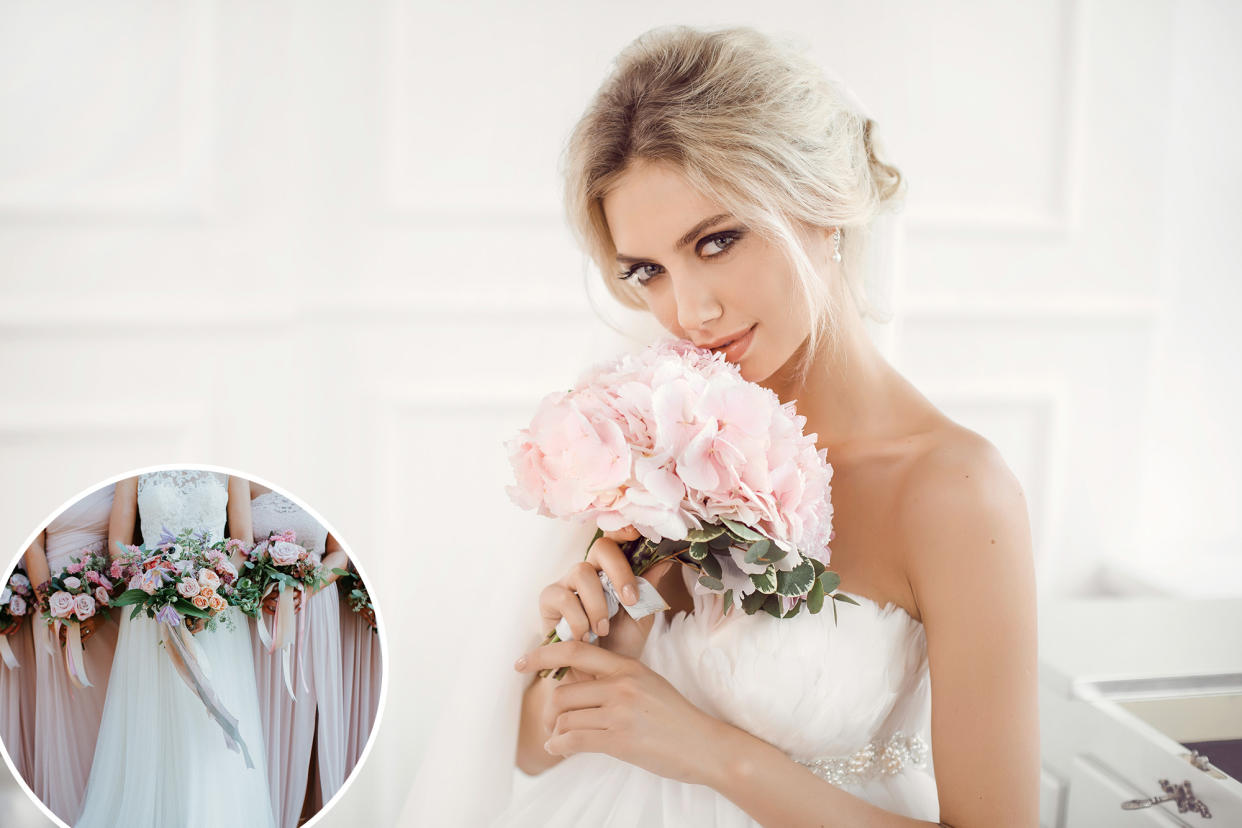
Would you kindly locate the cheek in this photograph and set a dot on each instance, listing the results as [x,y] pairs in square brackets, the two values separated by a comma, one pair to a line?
[663,307]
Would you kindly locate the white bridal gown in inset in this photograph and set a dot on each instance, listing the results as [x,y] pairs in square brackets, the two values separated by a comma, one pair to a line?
[161,761]
[850,700]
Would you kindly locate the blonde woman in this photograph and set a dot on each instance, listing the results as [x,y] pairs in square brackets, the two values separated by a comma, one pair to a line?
[721,183]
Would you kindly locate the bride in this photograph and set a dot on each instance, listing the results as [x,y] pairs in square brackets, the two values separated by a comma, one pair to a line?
[722,183]
[160,761]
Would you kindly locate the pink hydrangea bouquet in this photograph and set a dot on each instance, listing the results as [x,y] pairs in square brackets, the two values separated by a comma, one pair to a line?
[187,575]
[80,591]
[16,598]
[278,564]
[713,471]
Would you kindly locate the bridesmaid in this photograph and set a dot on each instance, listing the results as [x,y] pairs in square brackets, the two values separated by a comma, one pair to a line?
[318,718]
[17,694]
[67,718]
[364,673]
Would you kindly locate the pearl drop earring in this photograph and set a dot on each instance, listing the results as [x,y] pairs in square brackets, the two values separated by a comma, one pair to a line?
[836,242]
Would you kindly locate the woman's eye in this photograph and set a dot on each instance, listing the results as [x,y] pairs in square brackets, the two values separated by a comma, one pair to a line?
[720,241]
[639,273]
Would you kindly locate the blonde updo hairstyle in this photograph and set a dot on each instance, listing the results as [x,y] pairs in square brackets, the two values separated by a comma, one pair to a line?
[751,123]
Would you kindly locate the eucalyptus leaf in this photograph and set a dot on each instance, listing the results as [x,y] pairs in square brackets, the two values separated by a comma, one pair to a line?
[796,581]
[751,602]
[841,596]
[815,598]
[830,580]
[713,584]
[793,611]
[711,566]
[757,550]
[774,554]
[699,550]
[728,601]
[819,566]
[772,606]
[741,531]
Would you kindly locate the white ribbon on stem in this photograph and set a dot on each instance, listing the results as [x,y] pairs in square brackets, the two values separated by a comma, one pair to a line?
[6,653]
[191,664]
[75,664]
[286,622]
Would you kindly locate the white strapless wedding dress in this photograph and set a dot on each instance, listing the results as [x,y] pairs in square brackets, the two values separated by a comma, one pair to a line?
[852,701]
[161,761]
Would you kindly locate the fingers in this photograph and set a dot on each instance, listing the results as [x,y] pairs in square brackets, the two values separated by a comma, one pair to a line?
[584,579]
[578,741]
[586,657]
[591,718]
[557,601]
[580,696]
[607,555]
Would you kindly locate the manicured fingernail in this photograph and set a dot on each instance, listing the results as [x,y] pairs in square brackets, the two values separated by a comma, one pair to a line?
[628,594]
[603,626]
[520,663]
[545,746]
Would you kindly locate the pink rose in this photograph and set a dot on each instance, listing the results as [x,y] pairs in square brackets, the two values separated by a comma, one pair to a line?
[284,553]
[73,583]
[20,583]
[61,604]
[188,588]
[150,582]
[84,606]
[102,597]
[226,571]
[17,605]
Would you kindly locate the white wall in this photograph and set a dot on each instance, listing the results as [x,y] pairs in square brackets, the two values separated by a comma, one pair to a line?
[321,243]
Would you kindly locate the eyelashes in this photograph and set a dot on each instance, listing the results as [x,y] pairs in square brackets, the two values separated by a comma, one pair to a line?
[724,240]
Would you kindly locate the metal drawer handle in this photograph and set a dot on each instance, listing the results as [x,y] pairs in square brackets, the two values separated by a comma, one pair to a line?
[1182,794]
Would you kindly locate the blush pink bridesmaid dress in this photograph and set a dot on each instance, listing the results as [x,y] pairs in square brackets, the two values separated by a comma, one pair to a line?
[17,701]
[318,717]
[364,674]
[67,718]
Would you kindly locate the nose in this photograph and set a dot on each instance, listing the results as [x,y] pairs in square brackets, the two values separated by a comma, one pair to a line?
[697,305]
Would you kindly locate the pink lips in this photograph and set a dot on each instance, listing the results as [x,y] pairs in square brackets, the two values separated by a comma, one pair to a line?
[734,350]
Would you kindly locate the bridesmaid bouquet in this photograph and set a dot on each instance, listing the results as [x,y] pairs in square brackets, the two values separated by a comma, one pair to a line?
[357,596]
[15,599]
[279,565]
[713,471]
[186,576]
[75,594]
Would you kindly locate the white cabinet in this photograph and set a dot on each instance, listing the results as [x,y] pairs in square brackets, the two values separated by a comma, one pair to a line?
[1123,684]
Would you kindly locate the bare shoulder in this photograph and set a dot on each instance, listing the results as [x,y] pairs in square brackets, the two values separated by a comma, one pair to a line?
[962,518]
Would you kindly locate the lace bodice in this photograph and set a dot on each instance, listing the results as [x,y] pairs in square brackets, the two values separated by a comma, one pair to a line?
[182,499]
[273,512]
[84,525]
[850,701]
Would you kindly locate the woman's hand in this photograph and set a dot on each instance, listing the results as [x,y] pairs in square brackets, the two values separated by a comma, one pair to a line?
[13,627]
[194,625]
[85,629]
[579,598]
[621,707]
[269,602]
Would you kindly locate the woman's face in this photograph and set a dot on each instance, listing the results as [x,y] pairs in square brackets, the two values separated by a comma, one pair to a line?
[703,274]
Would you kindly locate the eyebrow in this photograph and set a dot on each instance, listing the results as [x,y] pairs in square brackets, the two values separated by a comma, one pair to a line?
[684,240]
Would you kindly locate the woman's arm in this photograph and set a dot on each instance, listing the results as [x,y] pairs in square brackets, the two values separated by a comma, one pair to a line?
[37,569]
[334,558]
[964,521]
[124,515]
[240,524]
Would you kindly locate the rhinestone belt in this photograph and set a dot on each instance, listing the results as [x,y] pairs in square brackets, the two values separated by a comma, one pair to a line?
[881,757]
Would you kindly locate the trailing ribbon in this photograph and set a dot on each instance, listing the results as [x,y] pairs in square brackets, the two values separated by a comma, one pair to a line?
[42,639]
[74,663]
[6,652]
[191,665]
[283,630]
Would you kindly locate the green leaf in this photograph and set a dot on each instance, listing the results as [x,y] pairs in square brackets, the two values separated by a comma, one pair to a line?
[137,609]
[765,581]
[722,542]
[815,598]
[830,580]
[699,550]
[186,608]
[728,601]
[793,611]
[341,573]
[841,596]
[129,596]
[599,533]
[774,554]
[741,531]
[819,566]
[711,583]
[752,602]
[834,613]
[796,581]
[705,534]
[711,566]
[757,550]
[772,606]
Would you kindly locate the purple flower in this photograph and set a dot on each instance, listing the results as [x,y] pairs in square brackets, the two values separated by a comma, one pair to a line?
[168,615]
[166,537]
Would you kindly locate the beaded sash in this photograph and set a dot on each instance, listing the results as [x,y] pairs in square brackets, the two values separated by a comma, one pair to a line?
[881,757]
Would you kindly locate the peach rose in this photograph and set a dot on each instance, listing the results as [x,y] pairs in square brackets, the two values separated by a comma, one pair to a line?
[218,603]
[200,601]
[208,578]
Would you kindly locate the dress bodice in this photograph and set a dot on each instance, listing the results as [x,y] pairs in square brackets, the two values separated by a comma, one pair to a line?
[83,526]
[180,499]
[847,697]
[273,512]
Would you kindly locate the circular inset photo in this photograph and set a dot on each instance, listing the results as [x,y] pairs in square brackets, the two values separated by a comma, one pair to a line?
[186,646]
